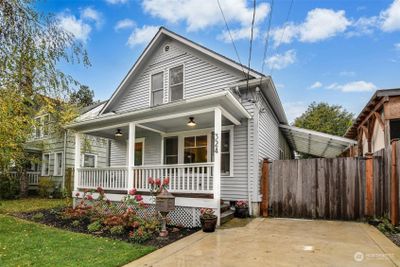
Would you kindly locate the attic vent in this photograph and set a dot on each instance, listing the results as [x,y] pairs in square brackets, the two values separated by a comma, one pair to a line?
[166,48]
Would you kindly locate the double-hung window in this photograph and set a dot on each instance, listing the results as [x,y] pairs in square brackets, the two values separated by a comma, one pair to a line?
[58,164]
[195,149]
[89,161]
[171,150]
[157,89]
[46,165]
[176,83]
[225,153]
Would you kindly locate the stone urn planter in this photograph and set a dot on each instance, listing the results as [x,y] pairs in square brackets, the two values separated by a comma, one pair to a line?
[208,220]
[241,209]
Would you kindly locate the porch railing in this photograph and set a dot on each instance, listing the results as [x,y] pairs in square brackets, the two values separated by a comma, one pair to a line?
[33,177]
[184,178]
[113,178]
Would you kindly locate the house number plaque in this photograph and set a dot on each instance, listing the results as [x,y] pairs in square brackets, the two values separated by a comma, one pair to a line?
[216,142]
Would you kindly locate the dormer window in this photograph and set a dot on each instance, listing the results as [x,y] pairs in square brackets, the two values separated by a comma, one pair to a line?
[157,87]
[176,83]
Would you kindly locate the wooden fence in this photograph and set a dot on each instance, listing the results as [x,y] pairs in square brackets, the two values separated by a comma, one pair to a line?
[338,189]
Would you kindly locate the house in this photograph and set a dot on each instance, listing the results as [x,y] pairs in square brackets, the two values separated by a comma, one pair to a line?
[377,124]
[190,114]
[52,152]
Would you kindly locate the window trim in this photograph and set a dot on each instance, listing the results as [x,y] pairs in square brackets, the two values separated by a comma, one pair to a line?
[151,74]
[57,172]
[83,160]
[43,166]
[183,82]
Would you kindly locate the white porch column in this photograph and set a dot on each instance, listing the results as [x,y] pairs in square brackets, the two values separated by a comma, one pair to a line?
[131,154]
[77,163]
[217,161]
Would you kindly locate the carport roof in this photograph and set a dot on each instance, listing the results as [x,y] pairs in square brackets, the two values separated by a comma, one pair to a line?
[315,143]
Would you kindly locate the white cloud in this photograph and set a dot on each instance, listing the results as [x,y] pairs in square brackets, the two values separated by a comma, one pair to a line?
[294,110]
[124,24]
[77,27]
[280,61]
[142,35]
[92,14]
[320,24]
[357,86]
[363,26]
[114,2]
[200,14]
[390,18]
[316,85]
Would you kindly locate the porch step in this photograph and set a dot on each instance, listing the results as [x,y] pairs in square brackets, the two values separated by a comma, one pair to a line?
[226,216]
[225,207]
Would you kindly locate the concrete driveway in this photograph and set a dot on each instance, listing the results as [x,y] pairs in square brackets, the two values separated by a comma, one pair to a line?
[280,242]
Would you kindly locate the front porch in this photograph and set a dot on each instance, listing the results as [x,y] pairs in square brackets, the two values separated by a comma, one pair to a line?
[160,143]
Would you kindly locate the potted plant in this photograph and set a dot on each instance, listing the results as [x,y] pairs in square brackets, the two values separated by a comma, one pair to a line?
[208,220]
[241,209]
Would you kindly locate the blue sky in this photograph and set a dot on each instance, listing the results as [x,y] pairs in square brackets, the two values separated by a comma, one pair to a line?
[338,52]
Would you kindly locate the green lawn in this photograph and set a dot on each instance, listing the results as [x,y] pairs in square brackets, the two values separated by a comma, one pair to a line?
[24,243]
[30,204]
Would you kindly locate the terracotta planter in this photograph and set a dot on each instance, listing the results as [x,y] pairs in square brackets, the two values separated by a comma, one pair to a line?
[241,212]
[208,224]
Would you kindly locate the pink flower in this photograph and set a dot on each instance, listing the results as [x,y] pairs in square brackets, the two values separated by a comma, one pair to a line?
[77,194]
[166,181]
[89,197]
[132,192]
[138,198]
[158,181]
[150,180]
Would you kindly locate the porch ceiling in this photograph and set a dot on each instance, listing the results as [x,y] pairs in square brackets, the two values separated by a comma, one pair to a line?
[315,143]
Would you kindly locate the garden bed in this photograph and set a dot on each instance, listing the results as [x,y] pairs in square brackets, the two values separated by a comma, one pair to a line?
[51,217]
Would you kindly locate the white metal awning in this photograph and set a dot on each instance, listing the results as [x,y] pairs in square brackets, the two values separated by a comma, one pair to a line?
[315,143]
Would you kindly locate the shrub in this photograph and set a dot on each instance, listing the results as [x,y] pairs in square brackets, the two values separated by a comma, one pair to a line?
[75,223]
[9,186]
[139,235]
[38,217]
[46,186]
[94,227]
[117,230]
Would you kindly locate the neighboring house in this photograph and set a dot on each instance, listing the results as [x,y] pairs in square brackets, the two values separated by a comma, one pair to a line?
[377,124]
[54,152]
[187,113]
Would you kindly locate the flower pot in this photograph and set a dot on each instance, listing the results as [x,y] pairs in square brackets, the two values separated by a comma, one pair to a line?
[208,224]
[241,212]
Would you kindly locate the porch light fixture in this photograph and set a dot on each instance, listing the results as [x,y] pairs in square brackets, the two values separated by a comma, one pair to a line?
[191,122]
[118,133]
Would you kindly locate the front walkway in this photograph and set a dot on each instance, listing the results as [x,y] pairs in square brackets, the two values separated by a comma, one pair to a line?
[280,242]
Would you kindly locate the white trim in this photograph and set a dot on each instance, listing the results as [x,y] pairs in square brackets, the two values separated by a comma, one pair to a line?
[83,160]
[149,129]
[48,162]
[229,116]
[57,172]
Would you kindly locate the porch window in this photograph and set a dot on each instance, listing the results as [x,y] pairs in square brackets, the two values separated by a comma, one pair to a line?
[195,149]
[226,152]
[157,87]
[138,153]
[46,165]
[58,164]
[176,83]
[89,160]
[171,150]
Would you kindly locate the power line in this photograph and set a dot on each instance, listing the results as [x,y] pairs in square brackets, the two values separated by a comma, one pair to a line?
[230,36]
[251,42]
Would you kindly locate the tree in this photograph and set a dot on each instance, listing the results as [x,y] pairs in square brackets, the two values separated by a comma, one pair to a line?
[32,45]
[83,97]
[322,117]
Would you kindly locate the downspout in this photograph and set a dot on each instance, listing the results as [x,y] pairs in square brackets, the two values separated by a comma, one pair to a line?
[64,159]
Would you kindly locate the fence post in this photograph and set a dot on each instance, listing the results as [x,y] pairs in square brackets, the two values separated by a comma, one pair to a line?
[369,185]
[264,188]
[394,187]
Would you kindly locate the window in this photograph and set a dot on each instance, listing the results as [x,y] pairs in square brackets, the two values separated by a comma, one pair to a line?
[139,146]
[225,153]
[89,161]
[45,124]
[171,150]
[394,129]
[195,149]
[46,165]
[157,89]
[42,127]
[176,83]
[38,128]
[58,164]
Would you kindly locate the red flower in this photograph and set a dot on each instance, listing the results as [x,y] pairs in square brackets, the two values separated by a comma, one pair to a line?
[132,192]
[77,194]
[150,180]
[158,181]
[89,197]
[135,224]
[166,181]
[138,198]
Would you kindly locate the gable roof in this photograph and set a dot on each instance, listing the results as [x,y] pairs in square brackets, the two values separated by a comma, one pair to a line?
[375,99]
[163,32]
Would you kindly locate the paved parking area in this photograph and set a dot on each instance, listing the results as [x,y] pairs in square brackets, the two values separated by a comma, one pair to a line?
[280,242]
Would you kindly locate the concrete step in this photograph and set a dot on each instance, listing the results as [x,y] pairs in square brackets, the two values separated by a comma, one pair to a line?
[227,216]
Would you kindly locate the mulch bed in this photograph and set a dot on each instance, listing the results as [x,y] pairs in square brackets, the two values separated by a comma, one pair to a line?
[51,218]
[395,238]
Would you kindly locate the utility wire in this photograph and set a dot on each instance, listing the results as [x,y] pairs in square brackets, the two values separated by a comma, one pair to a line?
[251,43]
[230,36]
